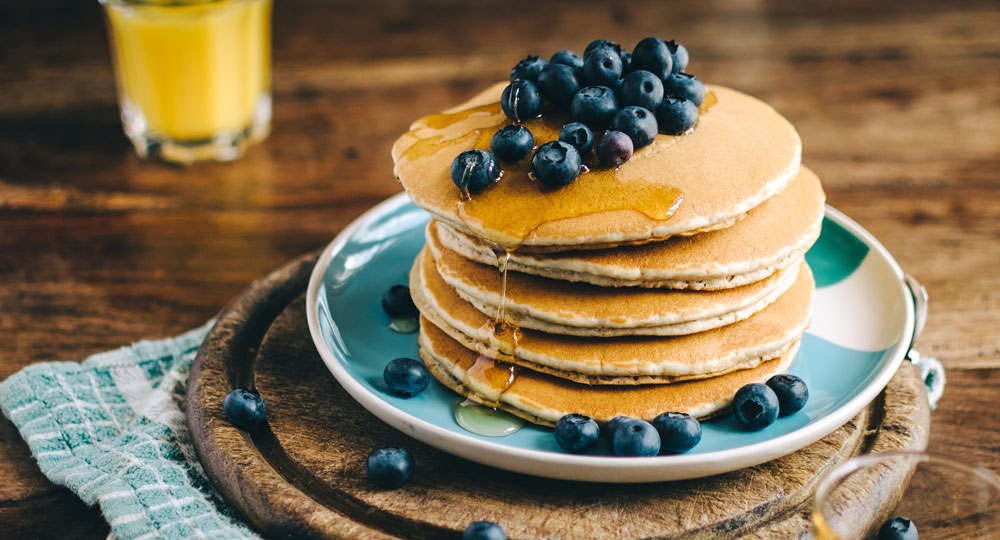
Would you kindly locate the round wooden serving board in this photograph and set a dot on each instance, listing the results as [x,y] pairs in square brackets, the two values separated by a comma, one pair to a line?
[302,474]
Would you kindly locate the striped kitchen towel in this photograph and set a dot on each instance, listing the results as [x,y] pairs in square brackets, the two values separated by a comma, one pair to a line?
[112,429]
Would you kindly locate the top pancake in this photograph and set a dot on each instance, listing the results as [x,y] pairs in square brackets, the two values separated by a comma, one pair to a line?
[739,154]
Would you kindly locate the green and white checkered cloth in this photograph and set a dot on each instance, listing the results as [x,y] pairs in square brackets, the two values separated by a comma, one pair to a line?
[113,430]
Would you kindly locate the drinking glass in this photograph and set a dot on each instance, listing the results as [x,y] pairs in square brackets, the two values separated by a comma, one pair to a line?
[193,76]
[940,498]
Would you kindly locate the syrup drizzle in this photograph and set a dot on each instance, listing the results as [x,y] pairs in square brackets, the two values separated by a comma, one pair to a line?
[503,257]
[490,378]
[491,374]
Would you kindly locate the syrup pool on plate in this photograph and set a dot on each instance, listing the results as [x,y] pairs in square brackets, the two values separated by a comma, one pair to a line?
[485,421]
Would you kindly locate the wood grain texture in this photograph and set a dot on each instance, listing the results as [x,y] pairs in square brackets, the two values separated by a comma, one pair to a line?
[897,104]
[302,473]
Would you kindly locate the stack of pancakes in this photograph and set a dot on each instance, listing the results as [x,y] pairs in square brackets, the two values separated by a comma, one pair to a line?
[612,306]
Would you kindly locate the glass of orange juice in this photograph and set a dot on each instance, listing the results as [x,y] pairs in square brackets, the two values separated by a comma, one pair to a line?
[907,495]
[193,76]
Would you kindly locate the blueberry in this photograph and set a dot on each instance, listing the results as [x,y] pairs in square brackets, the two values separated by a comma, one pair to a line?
[389,467]
[755,406]
[521,100]
[397,302]
[676,115]
[244,409]
[512,143]
[528,69]
[635,438]
[601,43]
[558,83]
[406,376]
[642,89]
[484,530]
[594,106]
[898,528]
[679,432]
[556,164]
[578,135]
[792,393]
[652,55]
[576,433]
[616,423]
[568,58]
[636,122]
[603,66]
[613,149]
[684,85]
[475,170]
[679,55]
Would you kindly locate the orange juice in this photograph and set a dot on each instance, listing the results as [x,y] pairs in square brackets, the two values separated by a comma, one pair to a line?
[192,70]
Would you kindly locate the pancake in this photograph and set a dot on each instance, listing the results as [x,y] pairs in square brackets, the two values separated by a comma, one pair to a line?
[773,236]
[620,360]
[543,399]
[740,153]
[562,307]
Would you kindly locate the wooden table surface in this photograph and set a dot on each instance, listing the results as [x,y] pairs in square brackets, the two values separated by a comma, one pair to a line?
[898,105]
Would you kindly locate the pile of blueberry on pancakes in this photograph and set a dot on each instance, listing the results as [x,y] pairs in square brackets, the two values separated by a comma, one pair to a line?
[615,248]
[625,98]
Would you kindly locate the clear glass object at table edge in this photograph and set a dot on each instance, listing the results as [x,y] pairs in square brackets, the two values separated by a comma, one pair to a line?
[193,76]
[931,494]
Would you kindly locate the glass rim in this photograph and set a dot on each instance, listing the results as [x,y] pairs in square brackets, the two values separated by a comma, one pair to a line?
[856,463]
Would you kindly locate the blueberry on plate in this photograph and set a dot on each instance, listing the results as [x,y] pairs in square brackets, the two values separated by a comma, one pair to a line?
[642,89]
[674,116]
[512,143]
[614,148]
[679,432]
[558,83]
[528,69]
[521,100]
[594,106]
[636,122]
[603,66]
[556,164]
[578,135]
[484,530]
[389,467]
[679,55]
[244,409]
[898,528]
[652,55]
[684,85]
[614,424]
[475,170]
[792,393]
[568,58]
[635,438]
[397,302]
[406,376]
[755,406]
[576,433]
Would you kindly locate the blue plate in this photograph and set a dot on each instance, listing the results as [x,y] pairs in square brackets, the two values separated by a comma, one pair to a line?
[863,321]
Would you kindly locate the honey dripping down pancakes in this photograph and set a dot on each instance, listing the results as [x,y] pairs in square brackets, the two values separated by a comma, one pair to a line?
[609,246]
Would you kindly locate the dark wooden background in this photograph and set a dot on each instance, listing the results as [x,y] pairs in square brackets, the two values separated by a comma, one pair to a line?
[898,105]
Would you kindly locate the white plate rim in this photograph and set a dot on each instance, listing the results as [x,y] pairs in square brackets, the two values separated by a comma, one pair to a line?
[600,468]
